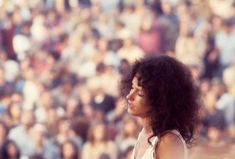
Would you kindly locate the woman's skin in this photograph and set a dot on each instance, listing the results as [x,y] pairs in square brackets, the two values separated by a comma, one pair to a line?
[138,106]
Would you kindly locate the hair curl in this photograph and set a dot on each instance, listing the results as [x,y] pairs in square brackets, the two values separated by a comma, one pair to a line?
[170,92]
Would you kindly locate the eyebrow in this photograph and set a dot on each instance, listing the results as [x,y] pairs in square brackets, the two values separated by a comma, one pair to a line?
[138,87]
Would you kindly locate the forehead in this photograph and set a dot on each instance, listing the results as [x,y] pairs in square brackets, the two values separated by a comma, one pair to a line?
[135,82]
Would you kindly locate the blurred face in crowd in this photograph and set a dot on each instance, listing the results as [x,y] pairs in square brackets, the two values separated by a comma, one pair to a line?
[128,42]
[99,132]
[67,87]
[85,96]
[182,11]
[218,88]
[147,24]
[137,101]
[3,132]
[213,134]
[16,97]
[103,44]
[46,99]
[38,131]
[71,106]
[52,115]
[29,74]
[216,23]
[130,127]
[15,111]
[195,71]
[68,150]
[227,28]
[210,100]
[12,150]
[204,86]
[27,118]
[166,7]
[1,74]
[184,28]
[64,126]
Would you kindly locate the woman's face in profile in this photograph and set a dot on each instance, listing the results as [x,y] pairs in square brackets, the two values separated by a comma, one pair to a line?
[137,100]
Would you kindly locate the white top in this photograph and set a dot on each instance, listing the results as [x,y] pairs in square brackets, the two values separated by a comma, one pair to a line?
[150,151]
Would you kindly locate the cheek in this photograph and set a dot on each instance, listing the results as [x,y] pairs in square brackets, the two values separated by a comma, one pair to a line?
[145,106]
[142,102]
[140,106]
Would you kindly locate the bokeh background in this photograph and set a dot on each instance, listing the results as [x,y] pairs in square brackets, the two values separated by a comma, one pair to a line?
[61,62]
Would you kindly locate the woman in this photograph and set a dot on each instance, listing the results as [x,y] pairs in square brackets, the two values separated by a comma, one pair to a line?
[163,96]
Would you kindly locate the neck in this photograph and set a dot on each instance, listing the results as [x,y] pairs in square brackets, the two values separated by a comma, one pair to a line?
[26,128]
[99,142]
[146,125]
[39,144]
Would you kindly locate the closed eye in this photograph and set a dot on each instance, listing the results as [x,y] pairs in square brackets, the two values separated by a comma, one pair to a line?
[138,91]
[140,94]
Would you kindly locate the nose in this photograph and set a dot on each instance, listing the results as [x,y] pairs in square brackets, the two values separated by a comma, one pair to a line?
[130,95]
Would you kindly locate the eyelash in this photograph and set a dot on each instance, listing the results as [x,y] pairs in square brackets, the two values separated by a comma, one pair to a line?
[139,94]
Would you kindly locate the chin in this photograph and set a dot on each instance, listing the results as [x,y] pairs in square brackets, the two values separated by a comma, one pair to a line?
[137,114]
[131,112]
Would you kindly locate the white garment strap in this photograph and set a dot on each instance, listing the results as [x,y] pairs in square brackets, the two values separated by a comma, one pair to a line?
[150,151]
[154,142]
[175,132]
[133,152]
[181,138]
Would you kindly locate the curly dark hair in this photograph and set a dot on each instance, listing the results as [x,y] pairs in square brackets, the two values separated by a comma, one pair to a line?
[171,93]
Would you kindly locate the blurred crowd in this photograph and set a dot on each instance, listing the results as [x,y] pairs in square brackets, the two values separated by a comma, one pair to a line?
[61,62]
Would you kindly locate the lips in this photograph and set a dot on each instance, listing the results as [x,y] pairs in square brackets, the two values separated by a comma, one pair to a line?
[129,104]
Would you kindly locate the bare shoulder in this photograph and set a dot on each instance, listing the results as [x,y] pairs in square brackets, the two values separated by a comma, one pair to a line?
[170,146]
